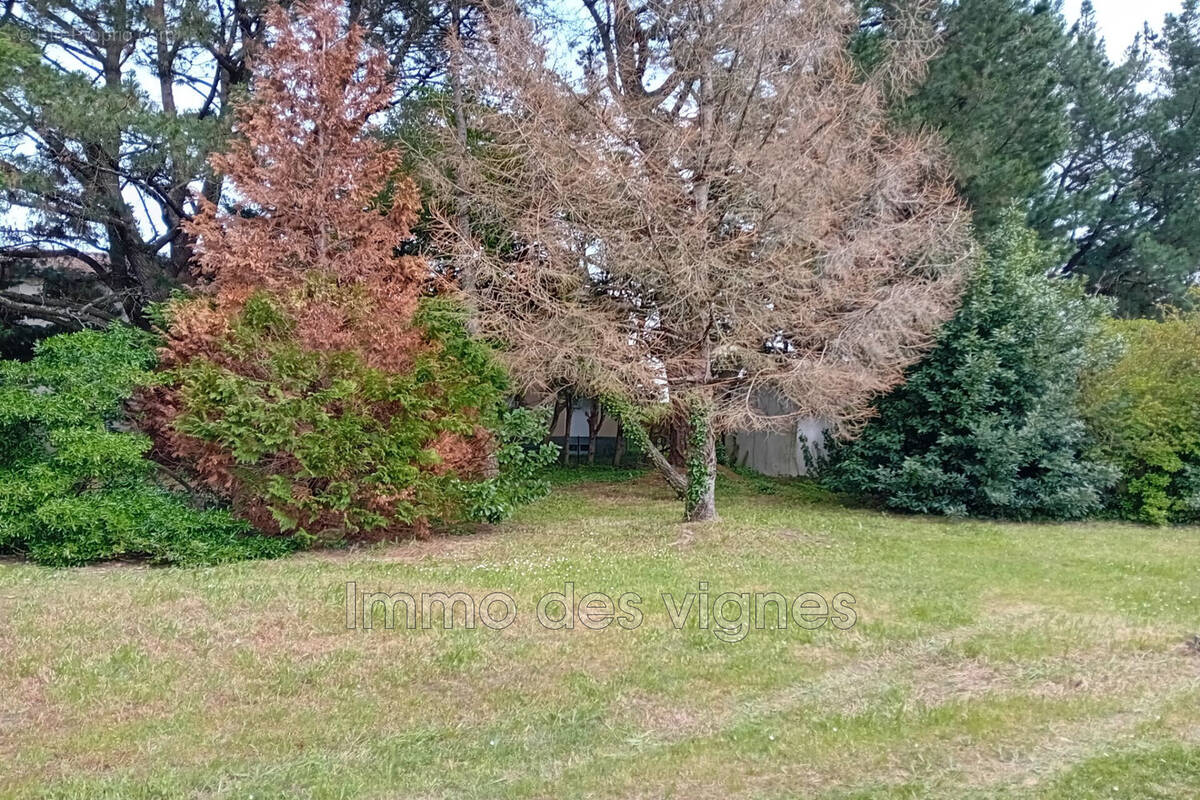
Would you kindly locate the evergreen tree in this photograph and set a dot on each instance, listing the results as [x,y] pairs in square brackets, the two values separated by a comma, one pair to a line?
[1106,156]
[994,96]
[109,110]
[987,423]
[717,205]
[315,383]
[1126,192]
[101,138]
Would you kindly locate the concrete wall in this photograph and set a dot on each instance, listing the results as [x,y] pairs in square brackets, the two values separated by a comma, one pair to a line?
[789,454]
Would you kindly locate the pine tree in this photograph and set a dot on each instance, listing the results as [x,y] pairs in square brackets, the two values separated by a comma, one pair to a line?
[994,95]
[1127,189]
[95,159]
[718,206]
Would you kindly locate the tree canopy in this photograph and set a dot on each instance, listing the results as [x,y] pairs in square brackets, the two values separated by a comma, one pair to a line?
[716,206]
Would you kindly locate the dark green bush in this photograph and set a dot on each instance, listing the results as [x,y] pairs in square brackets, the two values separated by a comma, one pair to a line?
[1144,413]
[987,424]
[520,466]
[74,486]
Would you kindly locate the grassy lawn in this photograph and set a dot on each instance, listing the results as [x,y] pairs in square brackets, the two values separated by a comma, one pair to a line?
[988,660]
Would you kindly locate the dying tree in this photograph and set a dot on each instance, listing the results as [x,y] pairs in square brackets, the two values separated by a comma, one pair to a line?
[710,204]
[313,380]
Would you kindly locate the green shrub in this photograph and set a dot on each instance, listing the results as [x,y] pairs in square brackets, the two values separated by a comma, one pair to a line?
[1144,413]
[317,443]
[987,424]
[74,486]
[520,466]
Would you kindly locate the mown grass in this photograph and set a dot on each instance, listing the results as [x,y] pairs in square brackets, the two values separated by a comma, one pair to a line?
[988,660]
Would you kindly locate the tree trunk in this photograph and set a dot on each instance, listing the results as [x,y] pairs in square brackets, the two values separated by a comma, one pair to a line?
[568,413]
[619,447]
[595,419]
[675,479]
[677,437]
[558,409]
[700,500]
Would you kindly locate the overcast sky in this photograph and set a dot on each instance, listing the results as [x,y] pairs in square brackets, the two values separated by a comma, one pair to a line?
[1121,20]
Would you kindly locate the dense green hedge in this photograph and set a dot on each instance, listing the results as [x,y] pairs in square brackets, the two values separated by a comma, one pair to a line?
[74,486]
[1144,413]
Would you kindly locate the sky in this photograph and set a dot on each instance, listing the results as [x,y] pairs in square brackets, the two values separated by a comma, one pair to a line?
[1121,20]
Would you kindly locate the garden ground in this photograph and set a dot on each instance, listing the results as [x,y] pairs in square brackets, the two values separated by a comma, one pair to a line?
[988,660]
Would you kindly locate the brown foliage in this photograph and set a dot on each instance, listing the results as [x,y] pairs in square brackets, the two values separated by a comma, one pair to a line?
[718,206]
[306,174]
[307,229]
